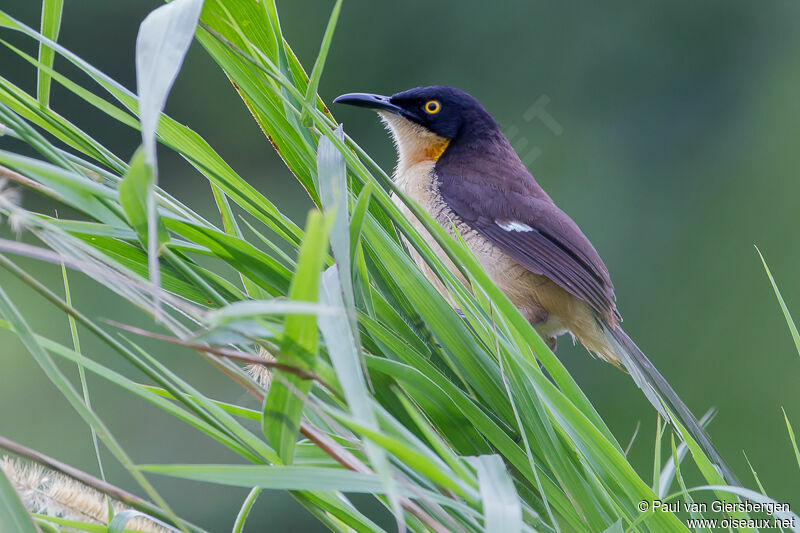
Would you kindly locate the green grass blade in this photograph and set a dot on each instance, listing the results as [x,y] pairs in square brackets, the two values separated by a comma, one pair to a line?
[163,40]
[284,405]
[791,436]
[668,473]
[76,345]
[51,24]
[272,477]
[14,518]
[357,220]
[344,355]
[786,314]
[134,191]
[319,64]
[244,511]
[679,476]
[501,507]
[120,520]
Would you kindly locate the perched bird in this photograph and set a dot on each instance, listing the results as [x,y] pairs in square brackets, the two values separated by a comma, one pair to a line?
[456,163]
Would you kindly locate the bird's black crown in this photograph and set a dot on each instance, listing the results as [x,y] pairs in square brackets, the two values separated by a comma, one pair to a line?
[446,111]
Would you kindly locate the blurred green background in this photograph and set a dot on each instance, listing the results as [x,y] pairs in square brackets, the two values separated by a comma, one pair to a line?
[674,147]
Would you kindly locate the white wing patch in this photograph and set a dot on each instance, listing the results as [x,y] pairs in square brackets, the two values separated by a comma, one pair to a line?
[513,225]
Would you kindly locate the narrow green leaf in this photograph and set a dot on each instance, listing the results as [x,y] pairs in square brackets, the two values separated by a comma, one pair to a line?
[285,402]
[121,519]
[273,477]
[51,23]
[163,40]
[791,436]
[657,454]
[357,220]
[755,475]
[679,476]
[52,521]
[338,332]
[133,193]
[668,473]
[76,344]
[501,507]
[14,518]
[244,511]
[786,314]
[332,177]
[319,64]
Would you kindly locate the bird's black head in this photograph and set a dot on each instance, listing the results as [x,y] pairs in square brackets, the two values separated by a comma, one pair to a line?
[445,111]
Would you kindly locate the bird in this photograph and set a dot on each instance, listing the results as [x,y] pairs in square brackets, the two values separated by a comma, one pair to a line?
[456,163]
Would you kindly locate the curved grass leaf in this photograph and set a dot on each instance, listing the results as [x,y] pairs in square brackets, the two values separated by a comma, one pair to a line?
[120,520]
[786,314]
[51,24]
[344,354]
[284,405]
[319,64]
[14,518]
[133,193]
[163,40]
[244,511]
[273,477]
[502,512]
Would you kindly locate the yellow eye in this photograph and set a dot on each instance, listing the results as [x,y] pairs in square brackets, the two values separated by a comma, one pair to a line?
[432,107]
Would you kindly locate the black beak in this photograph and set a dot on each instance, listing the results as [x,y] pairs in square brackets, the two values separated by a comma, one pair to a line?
[371,101]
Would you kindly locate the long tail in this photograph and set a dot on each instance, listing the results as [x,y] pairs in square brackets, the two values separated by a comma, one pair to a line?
[657,390]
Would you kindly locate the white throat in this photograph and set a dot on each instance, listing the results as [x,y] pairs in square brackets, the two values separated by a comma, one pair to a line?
[414,143]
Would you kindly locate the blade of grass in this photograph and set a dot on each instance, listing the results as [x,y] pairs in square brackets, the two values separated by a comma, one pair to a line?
[784,308]
[163,40]
[283,409]
[319,64]
[244,511]
[338,332]
[13,514]
[51,23]
[76,345]
[791,436]
[501,508]
[272,477]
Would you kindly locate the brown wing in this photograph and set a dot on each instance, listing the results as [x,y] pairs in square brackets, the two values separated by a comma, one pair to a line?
[523,222]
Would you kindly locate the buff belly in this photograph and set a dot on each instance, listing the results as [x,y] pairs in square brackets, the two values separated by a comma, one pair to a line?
[549,308]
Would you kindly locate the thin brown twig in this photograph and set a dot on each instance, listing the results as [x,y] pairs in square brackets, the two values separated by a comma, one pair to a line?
[351,462]
[131,500]
[224,352]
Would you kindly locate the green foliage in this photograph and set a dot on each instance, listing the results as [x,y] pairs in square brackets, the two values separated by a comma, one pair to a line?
[51,23]
[133,191]
[453,424]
